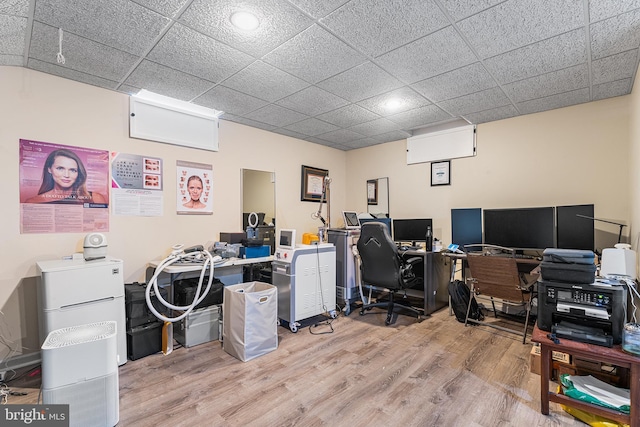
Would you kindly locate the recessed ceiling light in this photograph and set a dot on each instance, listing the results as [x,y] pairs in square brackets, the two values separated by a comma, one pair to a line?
[245,21]
[392,104]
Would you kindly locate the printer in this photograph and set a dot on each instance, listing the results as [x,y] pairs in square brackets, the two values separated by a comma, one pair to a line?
[592,313]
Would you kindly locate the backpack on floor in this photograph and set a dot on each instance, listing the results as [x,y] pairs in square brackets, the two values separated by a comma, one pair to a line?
[460,294]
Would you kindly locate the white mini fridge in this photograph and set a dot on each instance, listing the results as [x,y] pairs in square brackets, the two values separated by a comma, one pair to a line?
[76,292]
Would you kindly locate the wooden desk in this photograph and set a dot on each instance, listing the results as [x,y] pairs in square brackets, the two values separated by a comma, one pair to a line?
[596,353]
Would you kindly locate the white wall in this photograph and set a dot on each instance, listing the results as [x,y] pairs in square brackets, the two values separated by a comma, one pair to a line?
[42,107]
[574,155]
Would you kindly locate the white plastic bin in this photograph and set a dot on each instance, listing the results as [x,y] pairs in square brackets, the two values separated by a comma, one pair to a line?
[250,320]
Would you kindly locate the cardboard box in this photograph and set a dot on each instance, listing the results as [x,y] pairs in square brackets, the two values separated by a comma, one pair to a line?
[555,355]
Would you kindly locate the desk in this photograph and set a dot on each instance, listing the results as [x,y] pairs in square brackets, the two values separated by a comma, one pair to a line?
[435,279]
[229,271]
[614,356]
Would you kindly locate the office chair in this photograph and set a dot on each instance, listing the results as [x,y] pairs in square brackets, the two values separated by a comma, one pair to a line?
[497,277]
[382,266]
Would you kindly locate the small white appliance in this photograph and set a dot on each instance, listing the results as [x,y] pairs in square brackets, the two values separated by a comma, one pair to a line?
[75,292]
[79,368]
[618,261]
[95,246]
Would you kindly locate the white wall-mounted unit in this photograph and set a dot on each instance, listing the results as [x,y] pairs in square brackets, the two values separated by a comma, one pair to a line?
[442,145]
[163,119]
[79,369]
[75,292]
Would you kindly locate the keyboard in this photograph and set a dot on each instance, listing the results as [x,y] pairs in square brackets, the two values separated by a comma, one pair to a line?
[409,248]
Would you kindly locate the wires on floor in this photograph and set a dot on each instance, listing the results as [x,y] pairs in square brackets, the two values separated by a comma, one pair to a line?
[328,322]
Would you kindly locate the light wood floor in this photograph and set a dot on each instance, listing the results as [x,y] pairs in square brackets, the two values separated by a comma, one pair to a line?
[434,373]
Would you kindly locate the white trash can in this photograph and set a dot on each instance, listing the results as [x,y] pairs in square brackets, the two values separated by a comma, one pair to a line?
[250,320]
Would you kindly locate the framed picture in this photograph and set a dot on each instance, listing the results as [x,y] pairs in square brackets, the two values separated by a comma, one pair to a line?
[372,192]
[312,185]
[441,173]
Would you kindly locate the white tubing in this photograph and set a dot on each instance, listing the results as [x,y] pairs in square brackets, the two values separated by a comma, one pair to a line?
[198,297]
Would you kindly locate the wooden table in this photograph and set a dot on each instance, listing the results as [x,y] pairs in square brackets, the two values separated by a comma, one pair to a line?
[596,353]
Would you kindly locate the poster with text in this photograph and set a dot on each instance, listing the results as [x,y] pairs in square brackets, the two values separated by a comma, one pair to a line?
[63,189]
[136,185]
[194,188]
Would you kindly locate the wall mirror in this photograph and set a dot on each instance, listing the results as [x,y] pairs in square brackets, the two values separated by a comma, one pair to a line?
[259,196]
[378,197]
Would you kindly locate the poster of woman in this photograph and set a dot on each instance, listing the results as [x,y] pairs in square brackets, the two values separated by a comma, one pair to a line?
[55,174]
[194,188]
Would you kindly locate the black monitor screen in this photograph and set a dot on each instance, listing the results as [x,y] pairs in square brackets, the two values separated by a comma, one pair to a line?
[526,228]
[466,226]
[385,221]
[574,230]
[411,230]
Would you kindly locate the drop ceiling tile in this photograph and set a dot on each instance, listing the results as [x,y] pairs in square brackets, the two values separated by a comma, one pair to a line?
[548,55]
[265,82]
[164,7]
[360,143]
[121,24]
[602,9]
[614,67]
[611,89]
[559,100]
[11,60]
[479,101]
[358,83]
[312,101]
[388,23]
[230,101]
[187,50]
[279,21]
[12,31]
[407,97]
[314,55]
[320,141]
[248,122]
[420,117]
[375,127]
[14,7]
[318,8]
[516,23]
[615,34]
[491,115]
[429,56]
[129,90]
[276,115]
[312,127]
[463,9]
[80,54]
[394,135]
[347,116]
[167,81]
[70,74]
[292,134]
[340,136]
[561,81]
[461,81]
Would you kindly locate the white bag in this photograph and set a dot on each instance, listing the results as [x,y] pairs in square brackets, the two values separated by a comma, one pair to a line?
[250,320]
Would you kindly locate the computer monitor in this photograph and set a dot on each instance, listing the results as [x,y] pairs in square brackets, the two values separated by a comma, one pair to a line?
[351,220]
[523,228]
[575,227]
[466,226]
[385,221]
[287,239]
[411,230]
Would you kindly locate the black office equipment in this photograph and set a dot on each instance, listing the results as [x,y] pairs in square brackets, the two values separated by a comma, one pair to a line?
[575,228]
[466,226]
[413,230]
[385,221]
[136,310]
[520,228]
[568,265]
[589,306]
[184,291]
[382,266]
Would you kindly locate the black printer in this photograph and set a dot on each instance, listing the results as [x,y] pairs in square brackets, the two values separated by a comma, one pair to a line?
[592,313]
